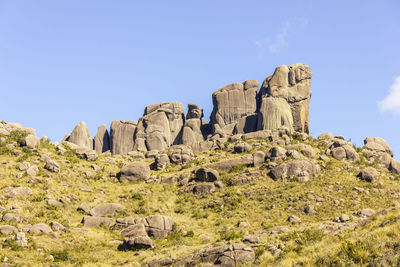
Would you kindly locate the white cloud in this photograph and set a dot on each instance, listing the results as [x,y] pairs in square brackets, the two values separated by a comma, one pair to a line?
[281,40]
[391,102]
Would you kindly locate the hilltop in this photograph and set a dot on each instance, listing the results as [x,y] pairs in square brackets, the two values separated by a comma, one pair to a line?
[249,188]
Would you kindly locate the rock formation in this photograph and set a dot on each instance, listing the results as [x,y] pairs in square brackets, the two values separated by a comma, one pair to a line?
[80,136]
[160,127]
[192,128]
[238,108]
[102,139]
[290,84]
[232,103]
[121,137]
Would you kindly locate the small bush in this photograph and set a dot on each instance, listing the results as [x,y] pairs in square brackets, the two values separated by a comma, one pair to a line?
[60,255]
[230,235]
[137,196]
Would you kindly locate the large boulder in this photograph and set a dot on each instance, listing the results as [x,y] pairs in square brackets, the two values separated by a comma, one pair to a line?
[102,139]
[192,129]
[377,144]
[122,136]
[206,175]
[106,209]
[292,84]
[232,103]
[225,255]
[395,166]
[368,174]
[80,136]
[94,221]
[31,141]
[181,154]
[160,127]
[137,243]
[135,171]
[301,170]
[17,192]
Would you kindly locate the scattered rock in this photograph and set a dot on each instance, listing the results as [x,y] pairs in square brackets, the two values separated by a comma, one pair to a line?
[40,228]
[137,243]
[368,174]
[135,171]
[18,192]
[204,188]
[206,175]
[8,229]
[93,221]
[106,209]
[52,166]
[84,207]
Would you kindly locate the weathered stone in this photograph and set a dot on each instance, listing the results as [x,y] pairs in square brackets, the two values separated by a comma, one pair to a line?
[301,170]
[229,164]
[369,174]
[106,209]
[137,243]
[395,166]
[8,229]
[84,207]
[204,188]
[231,103]
[86,153]
[206,175]
[54,203]
[305,149]
[52,166]
[32,170]
[93,221]
[377,144]
[122,136]
[18,192]
[160,127]
[134,230]
[242,147]
[181,154]
[161,161]
[274,113]
[135,171]
[102,139]
[258,158]
[40,228]
[21,239]
[24,166]
[58,227]
[158,226]
[292,84]
[80,136]
[31,141]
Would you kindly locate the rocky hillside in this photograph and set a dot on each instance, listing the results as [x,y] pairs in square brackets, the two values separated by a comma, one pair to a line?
[249,188]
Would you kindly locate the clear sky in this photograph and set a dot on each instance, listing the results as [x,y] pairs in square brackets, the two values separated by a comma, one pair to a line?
[62,62]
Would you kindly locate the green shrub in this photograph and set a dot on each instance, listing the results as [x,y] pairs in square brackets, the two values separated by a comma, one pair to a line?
[60,255]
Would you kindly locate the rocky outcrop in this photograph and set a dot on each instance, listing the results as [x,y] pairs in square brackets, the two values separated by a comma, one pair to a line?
[232,103]
[193,124]
[102,139]
[160,127]
[301,170]
[80,136]
[122,136]
[288,87]
[226,255]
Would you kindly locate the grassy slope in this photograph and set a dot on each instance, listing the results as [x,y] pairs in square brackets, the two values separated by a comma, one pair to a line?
[264,204]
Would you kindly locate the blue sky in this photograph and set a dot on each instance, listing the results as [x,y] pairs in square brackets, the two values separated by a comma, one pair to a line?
[62,62]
